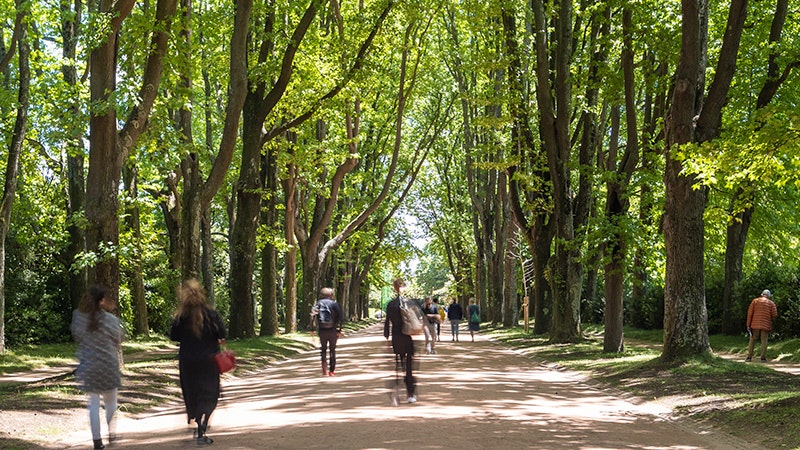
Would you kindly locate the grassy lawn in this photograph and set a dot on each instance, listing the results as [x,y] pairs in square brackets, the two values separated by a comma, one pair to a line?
[747,400]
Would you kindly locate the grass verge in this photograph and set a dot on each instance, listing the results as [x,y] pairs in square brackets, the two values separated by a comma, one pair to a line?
[749,401]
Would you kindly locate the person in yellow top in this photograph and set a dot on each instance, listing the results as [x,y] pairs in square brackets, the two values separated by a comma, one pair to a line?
[760,314]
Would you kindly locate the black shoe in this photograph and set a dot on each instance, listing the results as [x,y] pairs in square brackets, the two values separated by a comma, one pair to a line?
[748,359]
[763,359]
[204,440]
[98,444]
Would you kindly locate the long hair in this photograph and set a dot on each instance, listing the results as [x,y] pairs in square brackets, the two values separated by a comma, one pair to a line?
[90,304]
[192,306]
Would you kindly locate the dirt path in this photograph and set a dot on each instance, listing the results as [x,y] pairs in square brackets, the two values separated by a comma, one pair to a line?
[471,395]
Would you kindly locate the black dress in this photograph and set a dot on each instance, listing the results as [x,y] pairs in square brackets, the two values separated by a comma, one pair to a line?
[198,373]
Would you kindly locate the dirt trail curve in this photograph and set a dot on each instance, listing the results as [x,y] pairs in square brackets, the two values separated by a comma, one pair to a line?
[471,395]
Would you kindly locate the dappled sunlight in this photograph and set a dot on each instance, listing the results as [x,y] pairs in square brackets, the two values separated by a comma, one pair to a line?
[486,395]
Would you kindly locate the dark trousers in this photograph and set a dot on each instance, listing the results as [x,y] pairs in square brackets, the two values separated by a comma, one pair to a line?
[328,336]
[405,362]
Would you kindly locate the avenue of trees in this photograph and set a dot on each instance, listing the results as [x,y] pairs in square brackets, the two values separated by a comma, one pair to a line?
[613,161]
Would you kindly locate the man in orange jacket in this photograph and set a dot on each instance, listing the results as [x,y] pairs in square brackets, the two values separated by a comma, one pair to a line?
[759,322]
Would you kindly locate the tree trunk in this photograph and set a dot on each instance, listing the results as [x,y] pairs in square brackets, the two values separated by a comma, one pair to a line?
[171,210]
[736,236]
[108,149]
[258,104]
[207,260]
[103,176]
[554,125]
[685,315]
[543,234]
[243,236]
[312,283]
[617,202]
[12,163]
[191,211]
[510,298]
[76,183]
[290,279]
[269,254]
[135,273]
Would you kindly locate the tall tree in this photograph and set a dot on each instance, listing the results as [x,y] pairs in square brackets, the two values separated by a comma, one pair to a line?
[743,202]
[71,17]
[553,92]
[198,193]
[259,102]
[14,151]
[685,316]
[617,197]
[110,148]
[528,178]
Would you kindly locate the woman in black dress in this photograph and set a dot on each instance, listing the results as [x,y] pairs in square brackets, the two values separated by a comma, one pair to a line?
[199,329]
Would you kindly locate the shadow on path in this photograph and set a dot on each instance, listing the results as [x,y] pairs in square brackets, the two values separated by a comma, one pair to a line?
[471,395]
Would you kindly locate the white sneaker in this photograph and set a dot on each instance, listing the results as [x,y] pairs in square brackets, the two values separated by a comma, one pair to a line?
[412,399]
[393,398]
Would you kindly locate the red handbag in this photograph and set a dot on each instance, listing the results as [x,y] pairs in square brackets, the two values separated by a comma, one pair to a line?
[225,360]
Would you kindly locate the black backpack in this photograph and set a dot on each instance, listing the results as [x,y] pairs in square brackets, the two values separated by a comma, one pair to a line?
[325,314]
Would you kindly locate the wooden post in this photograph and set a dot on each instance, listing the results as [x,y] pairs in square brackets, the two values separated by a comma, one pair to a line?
[525,313]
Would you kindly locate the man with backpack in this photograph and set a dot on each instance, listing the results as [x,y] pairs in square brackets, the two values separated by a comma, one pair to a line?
[326,317]
[402,344]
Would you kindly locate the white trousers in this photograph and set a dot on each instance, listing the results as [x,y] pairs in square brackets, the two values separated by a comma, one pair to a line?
[110,403]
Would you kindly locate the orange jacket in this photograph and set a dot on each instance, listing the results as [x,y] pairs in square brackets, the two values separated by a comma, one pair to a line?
[760,314]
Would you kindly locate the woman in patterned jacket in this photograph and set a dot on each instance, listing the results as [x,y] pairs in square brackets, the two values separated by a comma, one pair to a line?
[99,334]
